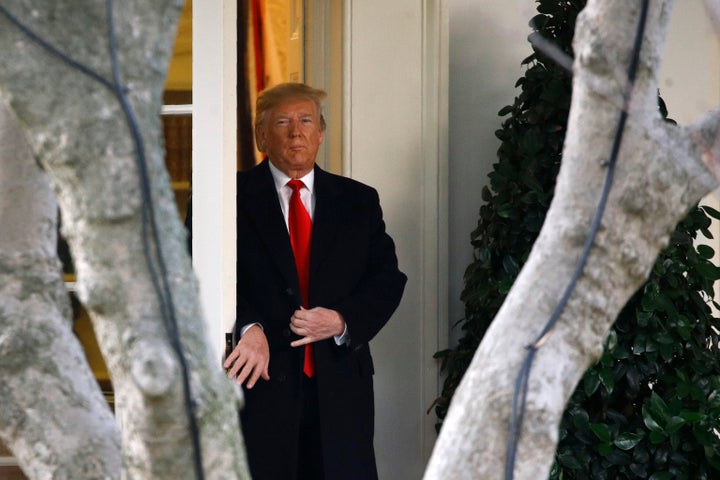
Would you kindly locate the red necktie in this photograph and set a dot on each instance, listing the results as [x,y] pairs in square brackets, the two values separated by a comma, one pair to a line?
[300,226]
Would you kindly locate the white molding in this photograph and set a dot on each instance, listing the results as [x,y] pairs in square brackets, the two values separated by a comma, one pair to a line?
[323,52]
[435,209]
[395,127]
[215,162]
[176,110]
[347,89]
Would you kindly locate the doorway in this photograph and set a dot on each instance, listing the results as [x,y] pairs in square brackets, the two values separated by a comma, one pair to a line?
[290,41]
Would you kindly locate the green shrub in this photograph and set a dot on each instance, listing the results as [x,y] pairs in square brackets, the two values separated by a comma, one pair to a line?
[650,407]
[520,190]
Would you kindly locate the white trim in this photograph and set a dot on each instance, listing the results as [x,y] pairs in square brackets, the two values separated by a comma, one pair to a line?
[347,89]
[395,127]
[215,162]
[176,110]
[435,209]
[323,51]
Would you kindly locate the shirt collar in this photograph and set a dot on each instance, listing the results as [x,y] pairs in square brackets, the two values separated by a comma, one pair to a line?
[281,179]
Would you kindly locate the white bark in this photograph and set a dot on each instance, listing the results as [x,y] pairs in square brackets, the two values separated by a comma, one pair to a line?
[660,174]
[53,416]
[79,133]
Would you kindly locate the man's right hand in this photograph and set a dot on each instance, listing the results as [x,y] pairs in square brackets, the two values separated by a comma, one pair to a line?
[250,358]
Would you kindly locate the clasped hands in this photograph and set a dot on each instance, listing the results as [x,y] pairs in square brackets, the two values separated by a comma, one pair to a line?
[250,359]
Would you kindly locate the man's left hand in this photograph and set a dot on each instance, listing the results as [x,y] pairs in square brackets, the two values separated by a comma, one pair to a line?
[315,324]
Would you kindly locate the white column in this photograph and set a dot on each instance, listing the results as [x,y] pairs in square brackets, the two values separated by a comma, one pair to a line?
[396,140]
[214,162]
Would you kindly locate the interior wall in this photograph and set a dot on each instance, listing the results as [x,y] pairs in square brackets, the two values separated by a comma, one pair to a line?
[323,69]
[179,74]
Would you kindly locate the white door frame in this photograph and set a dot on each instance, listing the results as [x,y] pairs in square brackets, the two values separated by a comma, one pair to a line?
[214,140]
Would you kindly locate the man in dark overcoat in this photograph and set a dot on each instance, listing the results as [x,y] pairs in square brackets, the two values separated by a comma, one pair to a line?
[304,320]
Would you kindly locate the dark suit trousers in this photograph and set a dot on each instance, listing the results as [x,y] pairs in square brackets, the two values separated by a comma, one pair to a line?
[310,463]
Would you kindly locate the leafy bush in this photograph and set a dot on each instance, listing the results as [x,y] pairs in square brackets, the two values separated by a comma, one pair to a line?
[521,188]
[649,407]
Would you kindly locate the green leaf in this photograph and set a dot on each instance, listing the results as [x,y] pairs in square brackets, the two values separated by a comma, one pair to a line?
[508,210]
[510,265]
[643,317]
[628,441]
[608,379]
[650,421]
[601,431]
[504,287]
[591,382]
[674,424]
[705,251]
[580,419]
[656,438]
[692,417]
[505,110]
[711,211]
[708,271]
[714,460]
[604,449]
[611,341]
[442,353]
[639,344]
[569,460]
[658,408]
[532,142]
[661,476]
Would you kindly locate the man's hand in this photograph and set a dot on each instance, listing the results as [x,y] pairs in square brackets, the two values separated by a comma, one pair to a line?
[315,324]
[250,358]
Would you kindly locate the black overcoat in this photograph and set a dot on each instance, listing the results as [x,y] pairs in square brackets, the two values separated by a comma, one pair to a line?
[354,270]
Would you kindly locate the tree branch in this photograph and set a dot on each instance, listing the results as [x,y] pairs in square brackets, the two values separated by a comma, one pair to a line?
[48,392]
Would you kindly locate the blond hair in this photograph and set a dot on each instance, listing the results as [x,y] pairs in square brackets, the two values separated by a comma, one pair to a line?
[274,96]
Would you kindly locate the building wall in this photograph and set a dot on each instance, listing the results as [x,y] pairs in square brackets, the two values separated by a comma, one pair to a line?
[689,80]
[395,126]
[488,40]
[690,76]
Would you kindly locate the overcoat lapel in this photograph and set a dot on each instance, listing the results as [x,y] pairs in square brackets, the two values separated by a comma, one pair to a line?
[324,220]
[262,207]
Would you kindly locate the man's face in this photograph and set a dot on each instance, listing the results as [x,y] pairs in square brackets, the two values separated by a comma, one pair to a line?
[291,135]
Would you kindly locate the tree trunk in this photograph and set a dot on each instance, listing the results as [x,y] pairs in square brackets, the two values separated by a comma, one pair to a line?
[659,175]
[53,416]
[79,130]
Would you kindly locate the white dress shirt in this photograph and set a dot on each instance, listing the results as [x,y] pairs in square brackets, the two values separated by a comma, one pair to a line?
[307,194]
